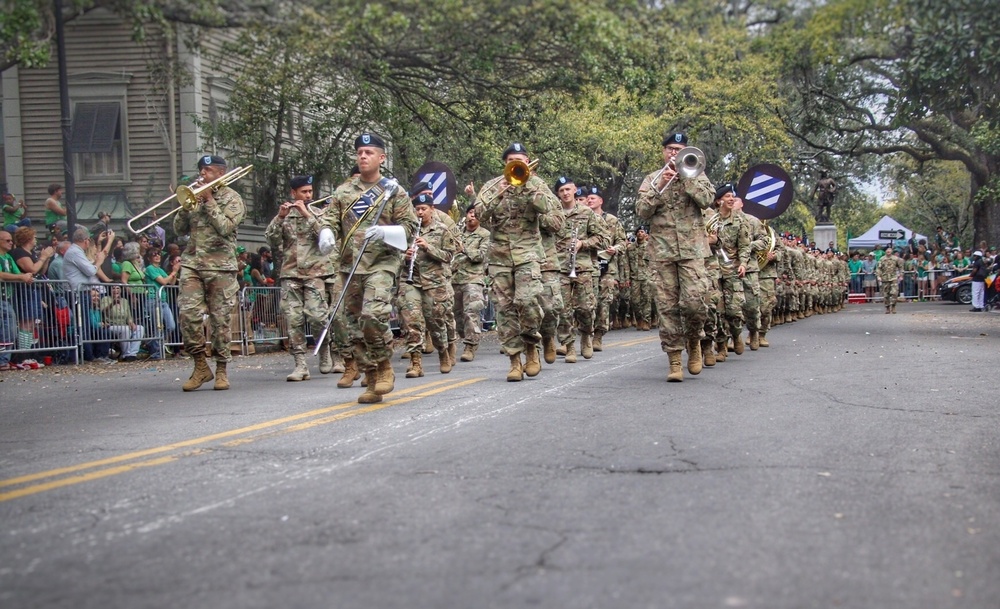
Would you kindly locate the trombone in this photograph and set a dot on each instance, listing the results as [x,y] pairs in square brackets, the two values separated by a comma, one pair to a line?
[691,166]
[516,173]
[188,197]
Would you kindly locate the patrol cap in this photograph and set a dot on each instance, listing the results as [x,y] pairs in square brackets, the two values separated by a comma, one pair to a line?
[211,159]
[725,188]
[515,148]
[300,181]
[562,181]
[419,187]
[369,139]
[423,199]
[596,191]
[675,138]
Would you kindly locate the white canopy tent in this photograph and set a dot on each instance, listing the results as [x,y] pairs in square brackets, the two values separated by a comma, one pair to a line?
[870,239]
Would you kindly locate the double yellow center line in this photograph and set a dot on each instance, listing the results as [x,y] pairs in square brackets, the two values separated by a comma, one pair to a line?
[30,484]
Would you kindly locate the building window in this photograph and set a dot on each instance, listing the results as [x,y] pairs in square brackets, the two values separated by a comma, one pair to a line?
[97,141]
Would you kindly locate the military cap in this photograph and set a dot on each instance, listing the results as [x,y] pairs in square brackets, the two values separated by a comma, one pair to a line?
[595,190]
[675,138]
[581,191]
[423,199]
[725,188]
[300,181]
[211,159]
[369,139]
[562,181]
[418,188]
[515,148]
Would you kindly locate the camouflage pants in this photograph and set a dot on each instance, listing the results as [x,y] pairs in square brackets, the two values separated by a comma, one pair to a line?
[469,304]
[367,308]
[303,300]
[793,297]
[713,321]
[411,316]
[735,302]
[212,293]
[642,299]
[429,314]
[751,307]
[579,300]
[449,314]
[551,301]
[890,293]
[605,300]
[768,301]
[680,301]
[519,314]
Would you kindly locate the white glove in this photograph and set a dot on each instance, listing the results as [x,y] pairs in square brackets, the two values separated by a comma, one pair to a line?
[326,241]
[392,235]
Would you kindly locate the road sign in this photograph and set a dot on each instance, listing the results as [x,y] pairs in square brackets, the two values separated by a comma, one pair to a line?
[892,234]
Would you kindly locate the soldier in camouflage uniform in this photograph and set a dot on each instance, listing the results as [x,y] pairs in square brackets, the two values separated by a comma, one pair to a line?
[751,281]
[677,255]
[514,216]
[208,283]
[608,280]
[797,279]
[715,326]
[555,259]
[364,317]
[769,290]
[578,292]
[468,281]
[734,243]
[889,271]
[430,285]
[305,273]
[641,289]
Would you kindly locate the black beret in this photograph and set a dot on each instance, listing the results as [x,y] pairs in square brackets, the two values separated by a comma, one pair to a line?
[594,190]
[211,159]
[562,181]
[581,191]
[418,188]
[369,139]
[675,138]
[300,181]
[722,190]
[424,199]
[515,148]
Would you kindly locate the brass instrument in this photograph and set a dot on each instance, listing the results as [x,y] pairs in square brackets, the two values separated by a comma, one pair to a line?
[516,173]
[712,226]
[772,241]
[189,197]
[572,251]
[692,165]
[413,257]
[317,211]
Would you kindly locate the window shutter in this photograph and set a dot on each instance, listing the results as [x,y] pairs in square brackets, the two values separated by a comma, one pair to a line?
[95,127]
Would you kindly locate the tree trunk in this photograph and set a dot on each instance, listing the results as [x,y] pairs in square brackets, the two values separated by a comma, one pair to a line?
[985,215]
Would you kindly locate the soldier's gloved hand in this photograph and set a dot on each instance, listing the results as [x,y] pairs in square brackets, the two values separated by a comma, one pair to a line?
[326,241]
[392,235]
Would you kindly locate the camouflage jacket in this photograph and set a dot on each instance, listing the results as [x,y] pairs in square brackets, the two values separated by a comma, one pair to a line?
[734,240]
[340,217]
[676,224]
[211,228]
[555,258]
[758,241]
[889,268]
[514,220]
[296,237]
[616,238]
[590,232]
[433,266]
[469,265]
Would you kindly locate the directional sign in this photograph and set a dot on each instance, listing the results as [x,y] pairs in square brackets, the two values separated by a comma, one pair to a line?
[766,191]
[892,234]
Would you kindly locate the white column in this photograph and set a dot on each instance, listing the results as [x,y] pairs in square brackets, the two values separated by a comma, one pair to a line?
[13,153]
[191,96]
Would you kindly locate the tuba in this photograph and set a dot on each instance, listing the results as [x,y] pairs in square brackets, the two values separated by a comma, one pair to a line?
[772,241]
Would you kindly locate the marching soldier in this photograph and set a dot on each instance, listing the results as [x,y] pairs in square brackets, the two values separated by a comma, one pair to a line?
[364,319]
[552,303]
[468,281]
[671,204]
[514,215]
[208,281]
[751,281]
[607,281]
[715,326]
[889,271]
[734,251]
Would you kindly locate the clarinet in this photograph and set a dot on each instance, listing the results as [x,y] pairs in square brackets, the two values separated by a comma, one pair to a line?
[572,251]
[413,259]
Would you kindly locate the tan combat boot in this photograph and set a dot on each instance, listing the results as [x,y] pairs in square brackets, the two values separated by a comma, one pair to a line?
[428,345]
[516,370]
[221,378]
[598,342]
[351,373]
[571,353]
[738,342]
[469,353]
[893,308]
[708,352]
[549,349]
[202,373]
[532,365]
[587,346]
[444,362]
[338,363]
[720,351]
[369,396]
[385,378]
[453,353]
[754,340]
[763,341]
[416,368]
[301,372]
[694,356]
[676,373]
[561,350]
[325,358]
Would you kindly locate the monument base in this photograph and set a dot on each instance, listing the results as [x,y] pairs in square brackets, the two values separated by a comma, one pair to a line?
[823,234]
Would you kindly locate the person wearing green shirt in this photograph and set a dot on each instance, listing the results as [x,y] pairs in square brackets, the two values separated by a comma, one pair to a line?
[118,315]
[15,213]
[55,211]
[855,266]
[9,273]
[156,276]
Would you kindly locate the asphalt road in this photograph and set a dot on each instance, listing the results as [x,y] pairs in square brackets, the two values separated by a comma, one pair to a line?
[854,463]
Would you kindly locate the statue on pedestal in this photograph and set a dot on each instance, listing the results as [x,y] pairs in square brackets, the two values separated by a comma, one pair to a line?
[827,189]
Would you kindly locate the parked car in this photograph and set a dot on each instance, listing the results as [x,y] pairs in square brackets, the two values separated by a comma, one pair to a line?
[957,289]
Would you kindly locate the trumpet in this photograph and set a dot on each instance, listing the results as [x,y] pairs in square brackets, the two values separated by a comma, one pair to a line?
[413,256]
[572,251]
[189,197]
[692,165]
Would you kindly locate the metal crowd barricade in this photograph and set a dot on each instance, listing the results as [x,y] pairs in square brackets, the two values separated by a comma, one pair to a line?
[94,330]
[262,326]
[166,296]
[36,319]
